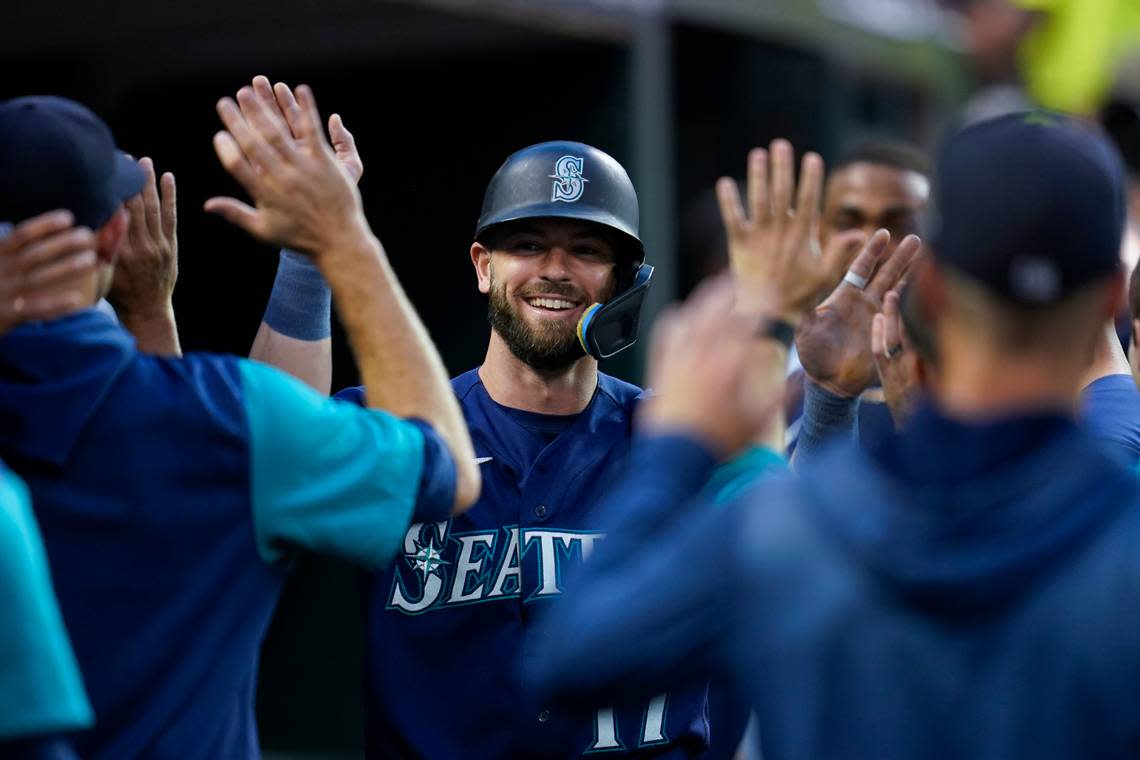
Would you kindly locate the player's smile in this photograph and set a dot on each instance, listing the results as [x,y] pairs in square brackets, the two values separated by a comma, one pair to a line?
[553,306]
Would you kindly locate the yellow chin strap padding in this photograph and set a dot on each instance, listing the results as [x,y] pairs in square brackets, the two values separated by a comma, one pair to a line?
[584,324]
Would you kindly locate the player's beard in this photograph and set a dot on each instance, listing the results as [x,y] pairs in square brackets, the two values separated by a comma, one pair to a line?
[549,346]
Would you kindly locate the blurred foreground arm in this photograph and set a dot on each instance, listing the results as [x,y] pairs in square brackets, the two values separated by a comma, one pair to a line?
[306,202]
[639,623]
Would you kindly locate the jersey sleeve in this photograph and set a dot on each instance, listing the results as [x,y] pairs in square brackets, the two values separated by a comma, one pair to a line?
[1111,414]
[353,395]
[333,478]
[41,691]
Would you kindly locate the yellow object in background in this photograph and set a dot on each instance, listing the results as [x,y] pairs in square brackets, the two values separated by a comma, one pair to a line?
[1069,59]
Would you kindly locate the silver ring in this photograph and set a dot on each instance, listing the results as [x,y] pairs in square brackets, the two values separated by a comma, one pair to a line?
[856,280]
[895,350]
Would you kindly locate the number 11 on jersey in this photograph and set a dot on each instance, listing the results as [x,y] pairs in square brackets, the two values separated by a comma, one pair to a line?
[652,727]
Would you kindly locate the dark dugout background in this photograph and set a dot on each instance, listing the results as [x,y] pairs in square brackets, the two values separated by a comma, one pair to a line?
[437,97]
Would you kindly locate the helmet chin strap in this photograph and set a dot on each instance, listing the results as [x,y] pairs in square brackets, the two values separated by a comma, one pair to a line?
[606,329]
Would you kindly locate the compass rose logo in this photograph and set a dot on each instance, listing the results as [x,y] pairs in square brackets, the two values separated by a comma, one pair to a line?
[568,179]
[427,559]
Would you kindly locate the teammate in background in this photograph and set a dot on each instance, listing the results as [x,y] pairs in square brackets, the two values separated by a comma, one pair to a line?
[1111,406]
[880,184]
[42,262]
[173,493]
[920,586]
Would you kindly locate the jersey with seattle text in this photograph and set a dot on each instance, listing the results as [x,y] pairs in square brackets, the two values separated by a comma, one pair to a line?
[447,622]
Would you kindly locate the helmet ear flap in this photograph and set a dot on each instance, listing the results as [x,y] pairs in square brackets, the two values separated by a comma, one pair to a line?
[606,329]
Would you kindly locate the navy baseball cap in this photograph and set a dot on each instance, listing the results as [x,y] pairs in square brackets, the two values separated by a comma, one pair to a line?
[55,153]
[1031,205]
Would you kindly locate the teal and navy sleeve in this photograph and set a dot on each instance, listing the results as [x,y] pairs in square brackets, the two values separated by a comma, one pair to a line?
[735,476]
[333,478]
[41,691]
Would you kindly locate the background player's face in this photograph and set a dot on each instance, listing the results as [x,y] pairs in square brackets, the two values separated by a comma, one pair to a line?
[541,276]
[872,196]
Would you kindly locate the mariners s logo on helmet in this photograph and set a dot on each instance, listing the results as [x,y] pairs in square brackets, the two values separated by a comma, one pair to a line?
[568,180]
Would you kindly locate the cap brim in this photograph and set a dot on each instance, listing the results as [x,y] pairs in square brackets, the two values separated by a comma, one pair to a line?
[129,178]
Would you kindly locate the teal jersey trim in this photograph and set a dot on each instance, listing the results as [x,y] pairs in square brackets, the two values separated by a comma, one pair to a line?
[41,691]
[327,476]
[736,476]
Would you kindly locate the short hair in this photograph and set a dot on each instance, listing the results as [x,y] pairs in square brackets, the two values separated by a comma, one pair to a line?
[896,154]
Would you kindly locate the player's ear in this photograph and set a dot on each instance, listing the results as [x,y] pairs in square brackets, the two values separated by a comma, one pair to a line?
[481,258]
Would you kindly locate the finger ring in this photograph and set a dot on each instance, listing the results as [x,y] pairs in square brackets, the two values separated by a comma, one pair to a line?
[857,280]
[893,351]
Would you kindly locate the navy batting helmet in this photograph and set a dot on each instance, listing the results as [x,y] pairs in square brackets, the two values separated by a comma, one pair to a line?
[567,180]
[572,180]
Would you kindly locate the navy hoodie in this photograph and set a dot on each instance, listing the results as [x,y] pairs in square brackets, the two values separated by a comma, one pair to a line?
[172,494]
[962,590]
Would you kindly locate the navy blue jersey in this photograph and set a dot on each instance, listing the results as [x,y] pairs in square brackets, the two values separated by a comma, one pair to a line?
[171,495]
[960,590]
[447,623]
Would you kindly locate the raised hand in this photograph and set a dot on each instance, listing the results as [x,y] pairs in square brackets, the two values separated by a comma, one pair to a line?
[895,359]
[146,268]
[711,377]
[834,340]
[281,97]
[305,199]
[45,266]
[773,248]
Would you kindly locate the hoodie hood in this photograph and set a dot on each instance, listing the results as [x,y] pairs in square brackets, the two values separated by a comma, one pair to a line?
[966,516]
[53,376]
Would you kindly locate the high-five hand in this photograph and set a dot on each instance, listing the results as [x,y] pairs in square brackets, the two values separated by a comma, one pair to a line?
[773,248]
[303,198]
[834,340]
[44,264]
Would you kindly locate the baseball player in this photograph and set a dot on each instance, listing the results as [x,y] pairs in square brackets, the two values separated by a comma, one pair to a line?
[951,592]
[172,494]
[557,252]
[880,184]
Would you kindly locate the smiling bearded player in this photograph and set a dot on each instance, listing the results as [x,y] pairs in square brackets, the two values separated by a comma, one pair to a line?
[557,251]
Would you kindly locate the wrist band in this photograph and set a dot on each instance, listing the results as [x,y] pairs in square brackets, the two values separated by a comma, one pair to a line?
[778,330]
[300,305]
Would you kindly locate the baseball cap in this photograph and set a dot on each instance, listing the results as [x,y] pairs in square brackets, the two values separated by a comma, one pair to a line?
[1031,205]
[55,153]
